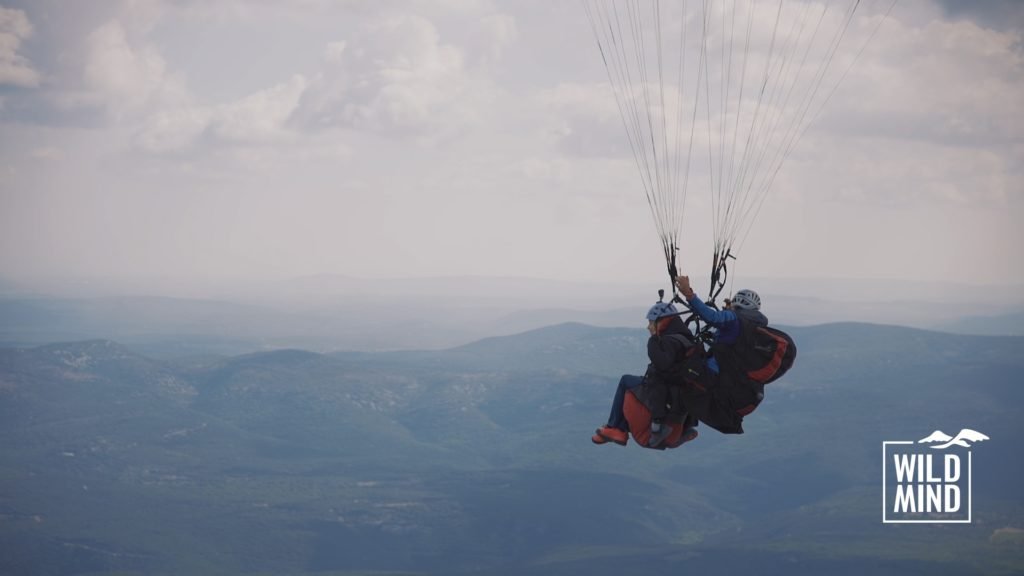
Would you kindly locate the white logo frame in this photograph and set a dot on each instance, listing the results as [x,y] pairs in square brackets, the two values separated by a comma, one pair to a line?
[937,440]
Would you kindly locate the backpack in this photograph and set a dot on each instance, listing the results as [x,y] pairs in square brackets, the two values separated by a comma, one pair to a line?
[761,356]
[771,355]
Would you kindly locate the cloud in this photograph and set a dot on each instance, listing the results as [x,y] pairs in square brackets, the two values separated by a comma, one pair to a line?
[127,78]
[397,75]
[257,119]
[396,69]
[998,14]
[394,75]
[959,140]
[15,69]
[903,87]
[335,52]
[260,117]
[173,130]
[132,81]
[584,120]
[942,97]
[228,103]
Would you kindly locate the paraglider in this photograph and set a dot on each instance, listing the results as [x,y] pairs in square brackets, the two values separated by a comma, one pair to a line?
[715,96]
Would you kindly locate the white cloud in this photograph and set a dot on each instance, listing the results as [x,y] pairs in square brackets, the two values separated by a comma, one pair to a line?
[334,101]
[942,98]
[584,120]
[334,52]
[262,116]
[394,75]
[129,79]
[949,82]
[259,118]
[404,75]
[936,94]
[173,130]
[15,69]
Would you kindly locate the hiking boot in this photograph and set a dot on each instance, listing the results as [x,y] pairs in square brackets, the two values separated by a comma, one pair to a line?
[609,434]
[688,435]
[658,435]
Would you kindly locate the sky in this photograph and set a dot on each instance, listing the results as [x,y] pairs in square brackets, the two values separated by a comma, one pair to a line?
[208,141]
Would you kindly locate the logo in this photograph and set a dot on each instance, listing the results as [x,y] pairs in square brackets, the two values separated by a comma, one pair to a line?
[928,481]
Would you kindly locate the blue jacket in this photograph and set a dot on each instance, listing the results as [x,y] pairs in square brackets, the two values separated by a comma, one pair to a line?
[725,322]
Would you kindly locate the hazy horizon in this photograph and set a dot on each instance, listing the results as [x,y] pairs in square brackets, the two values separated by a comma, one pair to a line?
[328,313]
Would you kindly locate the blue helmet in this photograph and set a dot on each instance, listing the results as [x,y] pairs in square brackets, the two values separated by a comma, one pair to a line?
[660,310]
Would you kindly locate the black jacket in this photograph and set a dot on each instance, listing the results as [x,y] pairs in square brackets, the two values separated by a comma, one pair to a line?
[667,351]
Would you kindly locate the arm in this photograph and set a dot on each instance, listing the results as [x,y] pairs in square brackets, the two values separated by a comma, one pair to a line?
[716,318]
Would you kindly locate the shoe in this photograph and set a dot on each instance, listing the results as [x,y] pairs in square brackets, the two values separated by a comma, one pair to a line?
[658,436]
[688,435]
[609,434]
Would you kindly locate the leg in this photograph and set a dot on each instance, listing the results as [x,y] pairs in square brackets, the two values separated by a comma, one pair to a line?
[617,419]
[617,429]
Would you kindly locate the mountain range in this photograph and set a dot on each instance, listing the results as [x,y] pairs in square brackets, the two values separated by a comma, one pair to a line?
[477,460]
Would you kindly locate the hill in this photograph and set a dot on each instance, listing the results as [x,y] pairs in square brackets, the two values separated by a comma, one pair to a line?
[477,460]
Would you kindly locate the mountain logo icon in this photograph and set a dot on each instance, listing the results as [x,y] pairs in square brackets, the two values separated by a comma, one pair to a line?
[964,438]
